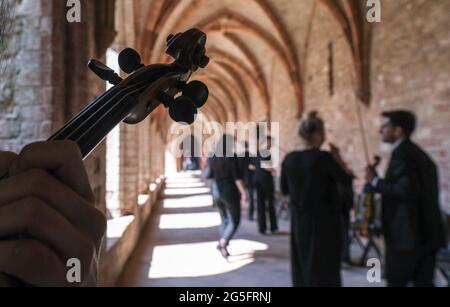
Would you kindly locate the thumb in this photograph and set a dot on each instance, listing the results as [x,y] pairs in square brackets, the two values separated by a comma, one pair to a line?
[6,159]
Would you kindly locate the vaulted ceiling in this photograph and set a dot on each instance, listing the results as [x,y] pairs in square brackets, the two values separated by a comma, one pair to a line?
[243,38]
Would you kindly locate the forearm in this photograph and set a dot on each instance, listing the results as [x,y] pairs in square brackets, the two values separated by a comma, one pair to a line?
[400,189]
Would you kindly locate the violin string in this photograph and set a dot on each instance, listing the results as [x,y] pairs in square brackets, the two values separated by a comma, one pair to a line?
[5,176]
[144,83]
[107,107]
[87,110]
[76,119]
[93,105]
[110,110]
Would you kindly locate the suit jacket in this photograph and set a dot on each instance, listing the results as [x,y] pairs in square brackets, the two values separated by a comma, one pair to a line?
[243,165]
[262,177]
[410,195]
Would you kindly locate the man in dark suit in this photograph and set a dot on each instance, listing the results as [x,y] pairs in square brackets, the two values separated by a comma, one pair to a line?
[412,223]
[247,168]
[265,189]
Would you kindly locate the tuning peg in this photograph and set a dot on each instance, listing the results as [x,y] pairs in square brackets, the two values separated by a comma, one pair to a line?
[197,91]
[104,72]
[129,60]
[183,110]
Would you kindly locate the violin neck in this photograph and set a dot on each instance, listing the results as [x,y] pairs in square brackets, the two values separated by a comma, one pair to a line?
[95,121]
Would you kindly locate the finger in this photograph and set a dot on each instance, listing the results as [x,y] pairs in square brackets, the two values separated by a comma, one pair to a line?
[40,184]
[33,218]
[62,158]
[32,262]
[6,159]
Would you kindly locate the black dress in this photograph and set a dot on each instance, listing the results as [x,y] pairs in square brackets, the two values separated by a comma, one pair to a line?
[311,179]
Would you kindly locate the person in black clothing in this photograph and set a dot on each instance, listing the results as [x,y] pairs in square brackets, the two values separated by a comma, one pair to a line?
[251,188]
[246,167]
[229,191]
[265,191]
[310,177]
[411,216]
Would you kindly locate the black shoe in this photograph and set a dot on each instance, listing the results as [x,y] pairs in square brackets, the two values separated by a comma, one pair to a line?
[223,251]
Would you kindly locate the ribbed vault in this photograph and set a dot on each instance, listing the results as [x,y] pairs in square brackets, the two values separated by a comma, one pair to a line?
[241,42]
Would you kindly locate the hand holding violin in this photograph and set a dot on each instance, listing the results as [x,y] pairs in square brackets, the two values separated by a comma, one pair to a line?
[47,213]
[371,174]
[336,153]
[47,199]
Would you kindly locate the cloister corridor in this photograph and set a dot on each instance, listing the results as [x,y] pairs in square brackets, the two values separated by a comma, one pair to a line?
[178,246]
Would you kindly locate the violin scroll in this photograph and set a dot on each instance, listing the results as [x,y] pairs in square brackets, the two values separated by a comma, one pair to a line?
[161,83]
[376,163]
[188,49]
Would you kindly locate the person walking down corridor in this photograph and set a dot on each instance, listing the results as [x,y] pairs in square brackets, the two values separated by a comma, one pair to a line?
[229,191]
[310,177]
[265,190]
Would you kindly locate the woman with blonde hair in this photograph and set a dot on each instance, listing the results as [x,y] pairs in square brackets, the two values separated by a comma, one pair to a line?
[311,177]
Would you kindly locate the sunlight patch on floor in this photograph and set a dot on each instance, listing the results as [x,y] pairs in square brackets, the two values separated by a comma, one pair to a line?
[201,201]
[186,191]
[189,220]
[183,180]
[201,259]
[185,185]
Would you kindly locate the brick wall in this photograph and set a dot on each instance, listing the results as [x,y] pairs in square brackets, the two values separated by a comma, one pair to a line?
[410,70]
[26,110]
[46,81]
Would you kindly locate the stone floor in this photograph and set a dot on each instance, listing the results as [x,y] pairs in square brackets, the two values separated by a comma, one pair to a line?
[178,247]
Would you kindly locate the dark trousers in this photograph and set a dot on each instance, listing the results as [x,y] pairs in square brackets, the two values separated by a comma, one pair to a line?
[265,201]
[230,214]
[251,201]
[415,266]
